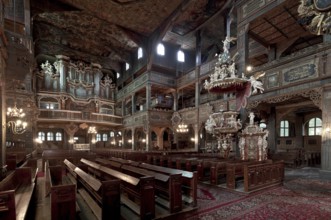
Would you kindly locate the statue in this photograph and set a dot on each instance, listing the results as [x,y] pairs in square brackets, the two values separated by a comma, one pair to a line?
[232,70]
[256,85]
[242,148]
[251,118]
[210,124]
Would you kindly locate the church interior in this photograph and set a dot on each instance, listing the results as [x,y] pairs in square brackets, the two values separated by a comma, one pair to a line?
[154,109]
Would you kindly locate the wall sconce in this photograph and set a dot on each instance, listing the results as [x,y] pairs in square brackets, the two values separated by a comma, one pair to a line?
[263,125]
[249,68]
[143,140]
[93,141]
[38,141]
[129,141]
[71,141]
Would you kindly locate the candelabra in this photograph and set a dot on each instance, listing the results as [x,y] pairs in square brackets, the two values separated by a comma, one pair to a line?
[15,122]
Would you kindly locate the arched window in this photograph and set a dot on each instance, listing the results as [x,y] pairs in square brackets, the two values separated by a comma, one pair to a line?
[314,127]
[160,49]
[284,128]
[104,137]
[127,66]
[180,56]
[98,137]
[41,136]
[50,136]
[140,52]
[58,136]
[112,134]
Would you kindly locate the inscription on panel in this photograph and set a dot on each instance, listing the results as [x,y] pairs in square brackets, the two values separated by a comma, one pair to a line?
[301,72]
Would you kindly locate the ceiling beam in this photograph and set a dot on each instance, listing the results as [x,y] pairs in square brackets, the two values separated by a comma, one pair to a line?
[277,28]
[225,6]
[294,18]
[162,29]
[258,39]
[134,36]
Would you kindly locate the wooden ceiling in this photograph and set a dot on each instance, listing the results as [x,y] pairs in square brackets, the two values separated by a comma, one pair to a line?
[279,27]
[108,31]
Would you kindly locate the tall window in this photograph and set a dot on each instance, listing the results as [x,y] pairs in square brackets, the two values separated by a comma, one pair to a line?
[284,128]
[140,52]
[314,127]
[58,136]
[118,75]
[50,136]
[180,56]
[160,49]
[104,137]
[98,137]
[127,66]
[41,136]
[112,134]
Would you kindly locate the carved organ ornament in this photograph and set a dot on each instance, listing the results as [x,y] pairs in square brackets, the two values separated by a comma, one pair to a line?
[83,80]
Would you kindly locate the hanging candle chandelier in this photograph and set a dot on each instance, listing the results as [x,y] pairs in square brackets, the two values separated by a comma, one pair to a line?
[15,120]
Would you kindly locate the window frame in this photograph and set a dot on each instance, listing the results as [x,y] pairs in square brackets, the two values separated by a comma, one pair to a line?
[314,127]
[284,128]
[160,49]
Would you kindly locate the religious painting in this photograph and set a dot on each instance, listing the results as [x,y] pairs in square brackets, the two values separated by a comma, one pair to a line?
[273,80]
[233,105]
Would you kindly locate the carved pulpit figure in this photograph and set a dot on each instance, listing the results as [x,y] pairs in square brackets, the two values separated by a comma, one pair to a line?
[251,118]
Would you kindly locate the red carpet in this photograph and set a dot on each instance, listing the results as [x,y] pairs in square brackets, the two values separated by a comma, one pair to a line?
[40,174]
[299,199]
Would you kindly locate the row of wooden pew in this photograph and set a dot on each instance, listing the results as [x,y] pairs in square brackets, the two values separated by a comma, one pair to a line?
[17,190]
[117,188]
[216,170]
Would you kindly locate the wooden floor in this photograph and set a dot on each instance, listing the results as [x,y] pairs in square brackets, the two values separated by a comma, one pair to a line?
[41,209]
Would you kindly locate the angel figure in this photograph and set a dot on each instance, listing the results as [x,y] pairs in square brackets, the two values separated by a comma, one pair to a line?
[210,124]
[256,85]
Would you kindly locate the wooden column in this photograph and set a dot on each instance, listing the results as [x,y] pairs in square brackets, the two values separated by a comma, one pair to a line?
[325,171]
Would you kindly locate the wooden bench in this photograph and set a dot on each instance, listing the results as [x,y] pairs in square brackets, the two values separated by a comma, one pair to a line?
[56,157]
[167,187]
[140,191]
[188,181]
[235,171]
[16,191]
[260,176]
[63,196]
[291,159]
[103,197]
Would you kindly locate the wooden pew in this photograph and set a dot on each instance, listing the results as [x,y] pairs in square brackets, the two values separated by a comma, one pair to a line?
[168,187]
[16,191]
[189,181]
[235,170]
[260,176]
[63,196]
[105,200]
[56,157]
[140,191]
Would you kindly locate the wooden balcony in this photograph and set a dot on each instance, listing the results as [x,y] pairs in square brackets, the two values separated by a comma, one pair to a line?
[78,116]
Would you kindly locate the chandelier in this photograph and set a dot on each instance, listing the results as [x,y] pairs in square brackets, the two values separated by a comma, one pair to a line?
[92,130]
[15,123]
[182,128]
